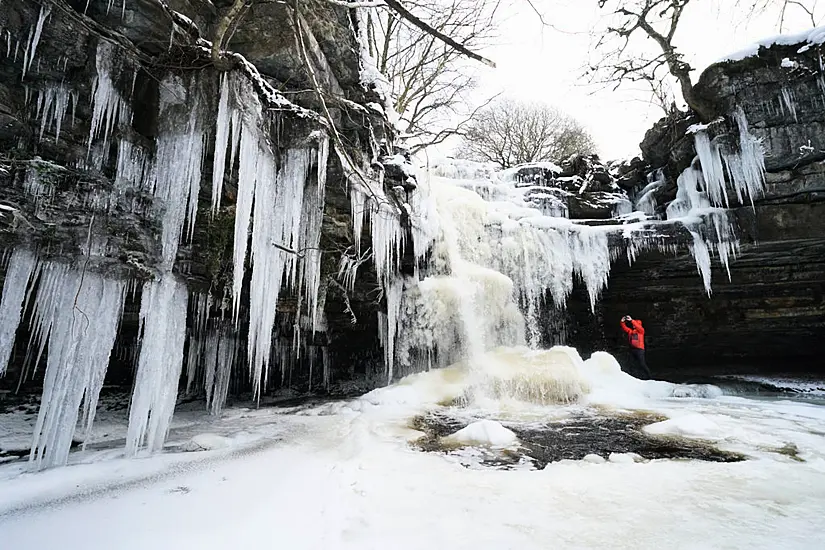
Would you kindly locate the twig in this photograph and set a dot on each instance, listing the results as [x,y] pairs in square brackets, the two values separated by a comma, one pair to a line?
[406,14]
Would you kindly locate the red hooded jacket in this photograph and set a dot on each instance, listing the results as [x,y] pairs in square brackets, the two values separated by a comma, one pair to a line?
[635,335]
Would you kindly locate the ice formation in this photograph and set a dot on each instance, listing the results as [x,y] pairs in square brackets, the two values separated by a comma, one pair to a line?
[178,160]
[109,109]
[744,164]
[52,105]
[283,205]
[20,269]
[78,313]
[34,39]
[163,333]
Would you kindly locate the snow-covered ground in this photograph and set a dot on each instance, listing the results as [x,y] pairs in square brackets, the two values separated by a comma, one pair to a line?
[344,475]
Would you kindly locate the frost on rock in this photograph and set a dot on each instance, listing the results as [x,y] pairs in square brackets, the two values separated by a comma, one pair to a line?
[163,333]
[78,313]
[19,271]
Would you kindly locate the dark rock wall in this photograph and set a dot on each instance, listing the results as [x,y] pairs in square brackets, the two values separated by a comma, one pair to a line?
[771,315]
[151,43]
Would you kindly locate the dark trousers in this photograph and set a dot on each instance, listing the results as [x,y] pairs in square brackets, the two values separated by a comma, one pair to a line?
[642,371]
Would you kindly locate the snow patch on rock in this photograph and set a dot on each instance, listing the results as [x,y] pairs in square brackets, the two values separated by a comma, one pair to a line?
[484,432]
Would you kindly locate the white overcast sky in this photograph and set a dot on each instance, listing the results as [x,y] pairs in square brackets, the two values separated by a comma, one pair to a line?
[539,63]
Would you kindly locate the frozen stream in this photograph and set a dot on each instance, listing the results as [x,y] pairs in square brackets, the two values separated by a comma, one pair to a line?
[344,475]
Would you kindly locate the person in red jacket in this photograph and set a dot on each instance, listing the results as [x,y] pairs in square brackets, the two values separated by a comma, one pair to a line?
[636,338]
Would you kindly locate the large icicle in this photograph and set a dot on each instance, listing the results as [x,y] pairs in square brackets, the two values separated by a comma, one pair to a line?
[271,234]
[745,166]
[163,321]
[80,313]
[312,219]
[221,352]
[109,109]
[227,133]
[52,105]
[20,269]
[251,153]
[180,150]
[31,47]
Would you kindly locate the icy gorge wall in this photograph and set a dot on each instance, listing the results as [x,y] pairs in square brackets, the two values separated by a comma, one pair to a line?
[771,313]
[170,217]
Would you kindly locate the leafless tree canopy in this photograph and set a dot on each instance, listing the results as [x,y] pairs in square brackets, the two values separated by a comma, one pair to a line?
[431,80]
[623,53]
[510,132]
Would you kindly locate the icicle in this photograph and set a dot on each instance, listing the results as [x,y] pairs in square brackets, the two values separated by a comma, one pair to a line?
[197,338]
[19,272]
[163,322]
[31,48]
[700,252]
[745,166]
[393,296]
[227,353]
[179,156]
[387,239]
[227,132]
[712,170]
[134,166]
[312,219]
[52,105]
[250,155]
[272,264]
[789,101]
[109,109]
[81,321]
[358,203]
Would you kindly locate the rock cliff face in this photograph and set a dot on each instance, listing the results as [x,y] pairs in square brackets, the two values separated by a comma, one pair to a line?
[93,94]
[771,313]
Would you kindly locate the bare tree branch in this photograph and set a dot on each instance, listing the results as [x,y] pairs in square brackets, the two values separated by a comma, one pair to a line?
[406,14]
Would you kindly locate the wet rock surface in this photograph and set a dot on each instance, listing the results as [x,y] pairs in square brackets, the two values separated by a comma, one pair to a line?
[572,438]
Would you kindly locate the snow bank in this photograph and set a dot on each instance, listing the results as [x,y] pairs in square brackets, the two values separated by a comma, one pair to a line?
[207,442]
[690,425]
[808,38]
[484,432]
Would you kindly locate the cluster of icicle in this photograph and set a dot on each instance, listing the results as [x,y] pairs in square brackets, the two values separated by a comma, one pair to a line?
[703,194]
[77,311]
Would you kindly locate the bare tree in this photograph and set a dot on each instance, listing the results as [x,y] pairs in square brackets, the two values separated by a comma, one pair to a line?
[622,60]
[510,132]
[809,9]
[430,80]
[623,54]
